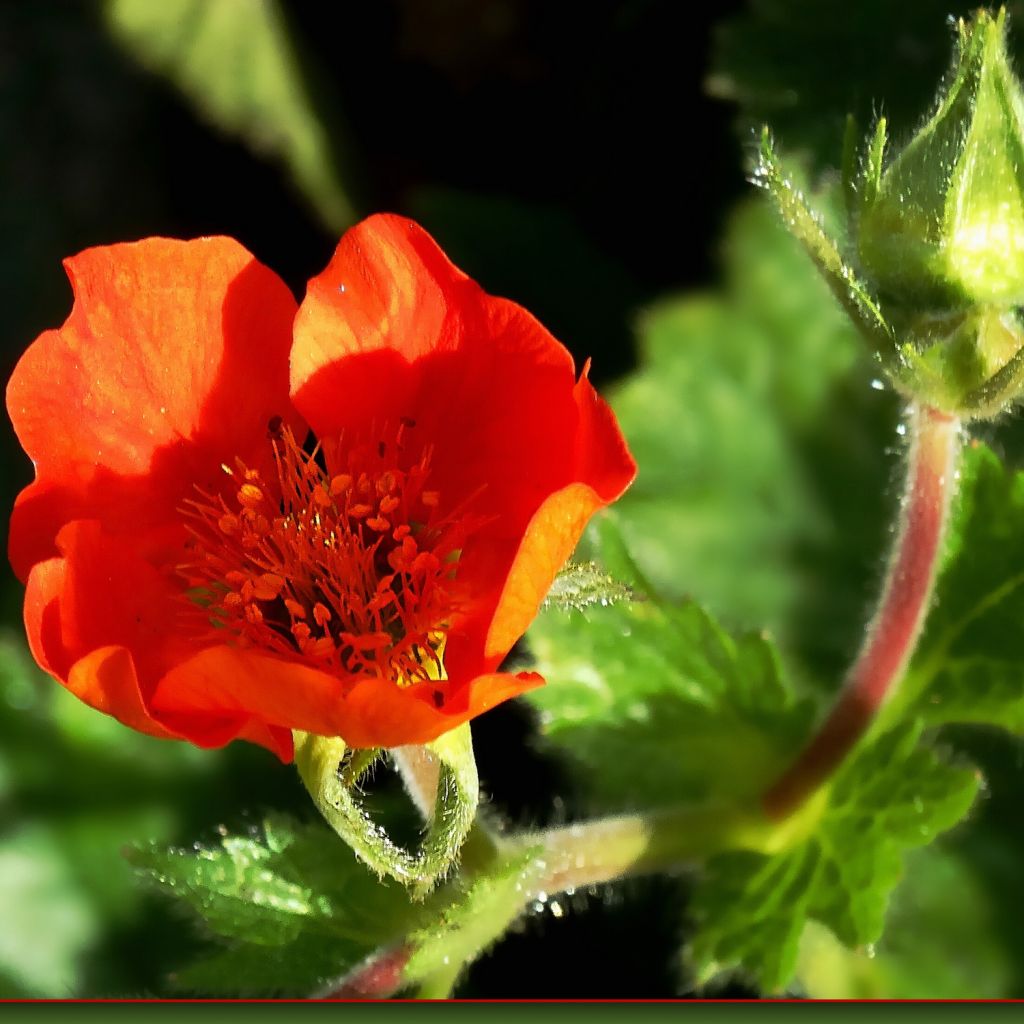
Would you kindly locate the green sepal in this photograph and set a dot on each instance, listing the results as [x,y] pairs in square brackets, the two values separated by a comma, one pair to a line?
[872,174]
[806,227]
[330,770]
[969,364]
[860,176]
[946,229]
[455,806]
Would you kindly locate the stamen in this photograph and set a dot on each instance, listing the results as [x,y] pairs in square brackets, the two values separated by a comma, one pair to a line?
[344,559]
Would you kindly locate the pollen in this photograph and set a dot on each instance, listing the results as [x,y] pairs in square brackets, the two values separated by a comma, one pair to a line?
[342,557]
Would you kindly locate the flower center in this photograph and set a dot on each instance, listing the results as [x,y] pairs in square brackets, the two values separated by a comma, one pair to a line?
[343,558]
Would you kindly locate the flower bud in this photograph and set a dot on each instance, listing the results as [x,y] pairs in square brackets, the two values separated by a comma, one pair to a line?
[943,226]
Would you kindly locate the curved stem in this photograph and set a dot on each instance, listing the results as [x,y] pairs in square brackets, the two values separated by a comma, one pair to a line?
[440,984]
[902,607]
[377,977]
[590,853]
[320,761]
[420,770]
[572,857]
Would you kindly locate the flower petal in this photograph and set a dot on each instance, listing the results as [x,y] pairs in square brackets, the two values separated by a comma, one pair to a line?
[603,468]
[228,681]
[102,593]
[403,334]
[602,458]
[67,627]
[103,676]
[388,287]
[549,540]
[173,360]
[105,679]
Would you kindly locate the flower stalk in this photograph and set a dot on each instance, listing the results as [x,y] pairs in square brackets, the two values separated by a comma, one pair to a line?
[447,764]
[935,440]
[576,857]
[590,853]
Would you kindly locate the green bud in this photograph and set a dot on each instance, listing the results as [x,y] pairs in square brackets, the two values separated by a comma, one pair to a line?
[932,268]
[943,226]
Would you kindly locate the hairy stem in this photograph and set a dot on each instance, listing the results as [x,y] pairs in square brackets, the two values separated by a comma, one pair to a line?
[590,853]
[897,623]
[377,977]
[441,983]
[593,852]
[578,856]
[420,769]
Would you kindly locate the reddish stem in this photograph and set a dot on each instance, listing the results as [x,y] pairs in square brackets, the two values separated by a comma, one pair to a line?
[377,977]
[893,633]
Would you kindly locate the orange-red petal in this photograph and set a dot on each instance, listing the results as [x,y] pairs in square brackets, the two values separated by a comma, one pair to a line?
[402,333]
[229,682]
[75,621]
[101,592]
[173,359]
[106,679]
[388,287]
[550,537]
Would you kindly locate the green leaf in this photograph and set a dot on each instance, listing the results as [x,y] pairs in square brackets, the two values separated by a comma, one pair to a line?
[969,665]
[993,844]
[235,61]
[939,942]
[294,911]
[654,702]
[750,909]
[297,907]
[759,442]
[582,584]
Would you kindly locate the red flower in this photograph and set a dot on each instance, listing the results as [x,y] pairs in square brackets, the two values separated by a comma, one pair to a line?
[197,569]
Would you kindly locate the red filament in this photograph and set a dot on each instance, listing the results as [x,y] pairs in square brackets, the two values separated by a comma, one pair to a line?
[343,559]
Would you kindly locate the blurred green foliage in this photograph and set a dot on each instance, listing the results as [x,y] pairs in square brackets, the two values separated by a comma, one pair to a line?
[235,60]
[766,462]
[969,666]
[654,703]
[76,789]
[753,424]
